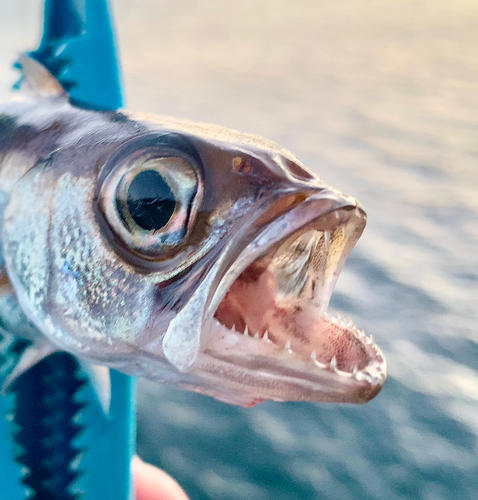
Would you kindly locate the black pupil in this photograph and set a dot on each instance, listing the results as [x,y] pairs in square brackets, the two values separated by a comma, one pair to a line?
[151,202]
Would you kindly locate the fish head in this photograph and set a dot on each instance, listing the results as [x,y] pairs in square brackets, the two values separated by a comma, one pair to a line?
[192,254]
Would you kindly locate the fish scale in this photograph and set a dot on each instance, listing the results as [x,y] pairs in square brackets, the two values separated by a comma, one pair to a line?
[54,418]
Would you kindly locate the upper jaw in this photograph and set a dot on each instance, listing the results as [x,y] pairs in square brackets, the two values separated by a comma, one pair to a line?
[324,211]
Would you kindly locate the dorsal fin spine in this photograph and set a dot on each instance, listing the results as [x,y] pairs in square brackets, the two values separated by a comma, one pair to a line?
[37,78]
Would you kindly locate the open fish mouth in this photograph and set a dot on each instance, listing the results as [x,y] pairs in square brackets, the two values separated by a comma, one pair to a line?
[268,318]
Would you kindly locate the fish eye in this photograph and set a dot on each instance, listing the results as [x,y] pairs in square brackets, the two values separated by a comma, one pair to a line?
[150,201]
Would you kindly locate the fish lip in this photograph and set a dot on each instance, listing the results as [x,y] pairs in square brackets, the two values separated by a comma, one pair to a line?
[359,387]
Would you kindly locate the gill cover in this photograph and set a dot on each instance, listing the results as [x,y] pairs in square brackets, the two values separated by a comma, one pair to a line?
[149,197]
[182,342]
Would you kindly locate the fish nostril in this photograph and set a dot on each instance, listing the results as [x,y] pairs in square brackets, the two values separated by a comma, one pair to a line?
[298,171]
[242,165]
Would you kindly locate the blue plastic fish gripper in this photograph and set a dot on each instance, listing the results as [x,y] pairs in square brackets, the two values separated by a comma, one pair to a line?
[56,442]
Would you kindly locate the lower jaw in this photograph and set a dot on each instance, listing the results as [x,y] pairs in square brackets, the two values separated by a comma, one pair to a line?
[277,372]
[238,380]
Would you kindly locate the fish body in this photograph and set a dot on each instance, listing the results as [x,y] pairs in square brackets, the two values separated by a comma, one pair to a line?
[177,251]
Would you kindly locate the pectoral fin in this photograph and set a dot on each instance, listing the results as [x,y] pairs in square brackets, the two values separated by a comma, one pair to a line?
[28,358]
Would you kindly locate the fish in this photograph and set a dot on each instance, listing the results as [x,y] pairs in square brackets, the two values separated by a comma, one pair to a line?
[176,251]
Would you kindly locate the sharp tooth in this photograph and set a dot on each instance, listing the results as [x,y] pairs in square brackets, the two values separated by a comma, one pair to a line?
[333,363]
[327,237]
[372,339]
[234,328]
[343,232]
[336,214]
[355,370]
[266,335]
[313,356]
[246,331]
[257,336]
[287,346]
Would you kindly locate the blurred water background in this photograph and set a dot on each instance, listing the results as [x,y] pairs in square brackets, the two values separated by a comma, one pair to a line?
[380,98]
